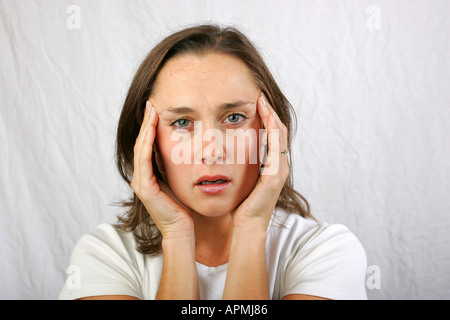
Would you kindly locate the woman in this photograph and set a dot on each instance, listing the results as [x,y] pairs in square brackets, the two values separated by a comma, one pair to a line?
[207,220]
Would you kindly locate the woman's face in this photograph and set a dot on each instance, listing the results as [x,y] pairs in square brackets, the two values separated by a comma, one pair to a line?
[207,106]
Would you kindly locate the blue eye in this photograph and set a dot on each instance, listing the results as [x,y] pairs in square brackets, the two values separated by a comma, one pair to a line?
[235,117]
[182,123]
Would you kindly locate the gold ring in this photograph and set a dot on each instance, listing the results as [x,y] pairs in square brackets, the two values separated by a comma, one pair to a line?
[284,152]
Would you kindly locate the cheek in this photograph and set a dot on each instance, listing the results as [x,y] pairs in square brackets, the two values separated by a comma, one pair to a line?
[244,150]
[165,147]
[174,155]
[176,148]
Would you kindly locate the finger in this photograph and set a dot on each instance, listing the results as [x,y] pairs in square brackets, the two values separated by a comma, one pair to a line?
[273,138]
[276,142]
[144,125]
[146,152]
[282,131]
[140,138]
[267,111]
[264,108]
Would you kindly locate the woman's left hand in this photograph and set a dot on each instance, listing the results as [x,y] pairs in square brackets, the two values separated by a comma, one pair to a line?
[257,209]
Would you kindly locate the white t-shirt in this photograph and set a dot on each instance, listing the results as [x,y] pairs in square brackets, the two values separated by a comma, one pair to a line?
[303,257]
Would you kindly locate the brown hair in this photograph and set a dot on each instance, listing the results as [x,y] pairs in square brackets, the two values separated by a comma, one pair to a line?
[195,40]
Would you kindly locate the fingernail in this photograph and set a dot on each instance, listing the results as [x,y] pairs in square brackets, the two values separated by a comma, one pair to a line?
[151,118]
[264,99]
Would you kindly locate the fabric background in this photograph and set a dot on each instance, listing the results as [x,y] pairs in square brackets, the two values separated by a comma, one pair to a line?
[369,81]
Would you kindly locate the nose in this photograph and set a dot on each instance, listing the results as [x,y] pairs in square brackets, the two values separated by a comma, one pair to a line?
[212,155]
[209,143]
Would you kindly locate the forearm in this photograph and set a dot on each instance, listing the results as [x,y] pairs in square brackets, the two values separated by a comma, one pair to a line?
[179,279]
[246,274]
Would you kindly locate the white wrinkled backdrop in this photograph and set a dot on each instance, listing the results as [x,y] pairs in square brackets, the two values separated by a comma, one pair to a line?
[370,81]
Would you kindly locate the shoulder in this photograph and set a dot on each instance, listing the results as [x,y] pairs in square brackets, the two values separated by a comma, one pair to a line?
[105,243]
[318,258]
[302,234]
[106,236]
[107,262]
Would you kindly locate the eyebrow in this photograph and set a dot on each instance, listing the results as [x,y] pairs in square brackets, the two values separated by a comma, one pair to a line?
[221,107]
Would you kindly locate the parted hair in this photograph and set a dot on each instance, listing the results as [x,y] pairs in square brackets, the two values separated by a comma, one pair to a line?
[197,40]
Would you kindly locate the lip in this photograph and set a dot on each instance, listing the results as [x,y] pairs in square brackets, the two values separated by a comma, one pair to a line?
[212,178]
[212,188]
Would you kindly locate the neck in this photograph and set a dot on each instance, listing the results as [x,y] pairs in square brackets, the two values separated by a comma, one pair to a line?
[213,239]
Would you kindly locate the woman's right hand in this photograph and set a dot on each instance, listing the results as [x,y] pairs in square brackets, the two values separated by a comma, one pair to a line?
[172,218]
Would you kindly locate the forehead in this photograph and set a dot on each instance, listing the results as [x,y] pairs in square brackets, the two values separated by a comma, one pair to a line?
[209,79]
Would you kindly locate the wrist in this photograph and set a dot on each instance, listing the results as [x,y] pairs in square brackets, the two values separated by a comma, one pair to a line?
[246,274]
[251,226]
[249,237]
[179,274]
[176,241]
[183,231]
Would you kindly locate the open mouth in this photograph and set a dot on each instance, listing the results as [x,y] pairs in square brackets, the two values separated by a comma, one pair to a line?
[212,184]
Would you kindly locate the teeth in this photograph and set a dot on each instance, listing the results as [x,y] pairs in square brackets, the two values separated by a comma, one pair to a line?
[211,182]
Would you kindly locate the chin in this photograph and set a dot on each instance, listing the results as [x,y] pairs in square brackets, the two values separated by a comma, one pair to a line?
[214,211]
[214,208]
